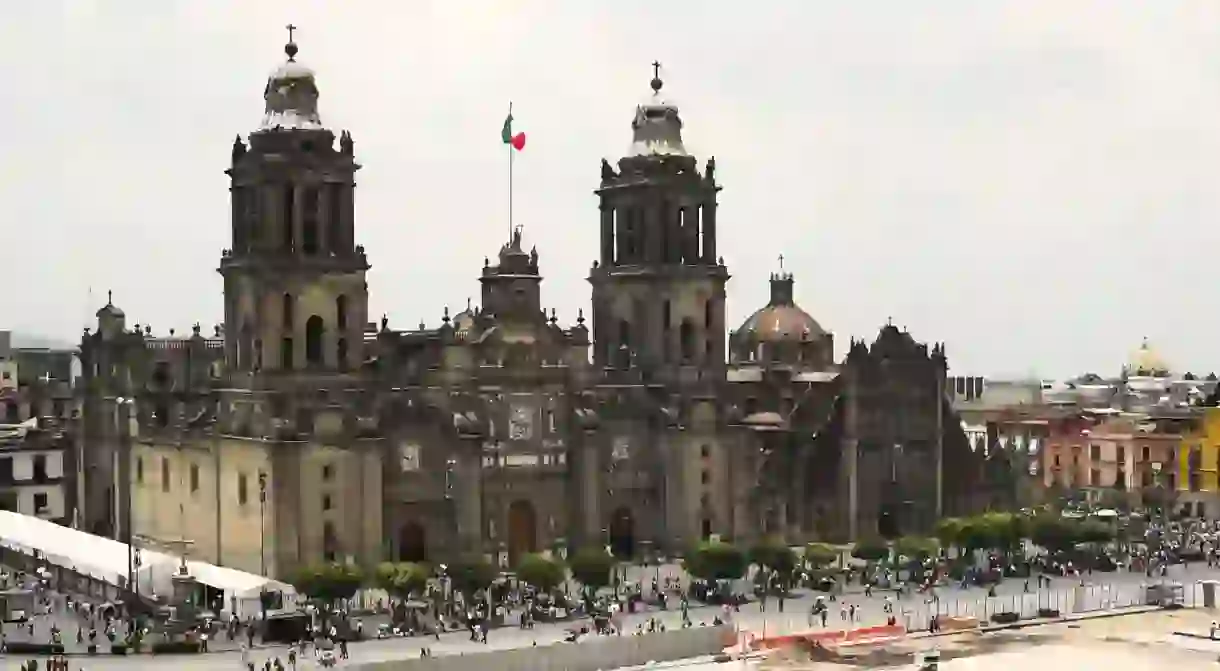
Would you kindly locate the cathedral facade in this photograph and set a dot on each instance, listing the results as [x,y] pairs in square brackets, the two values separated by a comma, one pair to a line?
[298,431]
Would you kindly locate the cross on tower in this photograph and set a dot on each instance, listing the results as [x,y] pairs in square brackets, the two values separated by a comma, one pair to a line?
[781,262]
[290,28]
[656,69]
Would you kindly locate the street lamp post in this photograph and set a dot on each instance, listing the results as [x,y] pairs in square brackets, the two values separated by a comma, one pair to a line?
[262,522]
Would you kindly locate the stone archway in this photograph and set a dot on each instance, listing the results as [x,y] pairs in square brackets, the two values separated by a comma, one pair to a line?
[412,543]
[522,530]
[622,534]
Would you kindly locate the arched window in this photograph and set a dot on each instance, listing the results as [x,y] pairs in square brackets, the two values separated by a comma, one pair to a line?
[288,312]
[709,314]
[287,354]
[341,312]
[686,339]
[314,330]
[341,353]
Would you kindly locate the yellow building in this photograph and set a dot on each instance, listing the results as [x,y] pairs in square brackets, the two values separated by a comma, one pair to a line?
[203,496]
[1198,460]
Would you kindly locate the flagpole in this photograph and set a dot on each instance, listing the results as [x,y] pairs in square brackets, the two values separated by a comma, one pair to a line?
[511,151]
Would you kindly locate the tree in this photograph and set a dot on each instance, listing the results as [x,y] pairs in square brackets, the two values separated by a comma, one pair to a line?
[714,561]
[402,580]
[1094,531]
[774,554]
[820,555]
[471,574]
[328,583]
[915,547]
[591,567]
[949,532]
[544,574]
[871,550]
[1052,532]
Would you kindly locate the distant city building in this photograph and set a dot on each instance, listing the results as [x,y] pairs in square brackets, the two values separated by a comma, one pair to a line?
[37,471]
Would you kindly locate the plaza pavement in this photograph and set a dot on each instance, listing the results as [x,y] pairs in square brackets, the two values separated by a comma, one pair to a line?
[1103,590]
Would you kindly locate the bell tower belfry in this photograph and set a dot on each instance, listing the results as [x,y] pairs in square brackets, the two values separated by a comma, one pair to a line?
[294,279]
[659,284]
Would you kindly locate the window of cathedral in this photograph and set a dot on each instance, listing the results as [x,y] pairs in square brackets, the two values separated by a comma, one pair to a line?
[329,541]
[243,489]
[286,354]
[314,331]
[704,451]
[139,470]
[686,339]
[165,474]
[341,353]
[328,472]
[288,312]
[341,312]
[327,504]
[194,478]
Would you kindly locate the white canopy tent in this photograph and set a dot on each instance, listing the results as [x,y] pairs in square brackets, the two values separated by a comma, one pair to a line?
[106,559]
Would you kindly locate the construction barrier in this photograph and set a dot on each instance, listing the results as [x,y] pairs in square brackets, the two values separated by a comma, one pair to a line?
[831,638]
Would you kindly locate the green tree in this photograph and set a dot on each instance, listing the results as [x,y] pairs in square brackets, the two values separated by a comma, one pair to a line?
[544,574]
[1053,532]
[820,555]
[471,574]
[1095,532]
[871,550]
[404,580]
[949,532]
[713,561]
[591,567]
[328,583]
[915,547]
[774,554]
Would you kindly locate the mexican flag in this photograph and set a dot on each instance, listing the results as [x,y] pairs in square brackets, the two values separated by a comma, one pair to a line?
[507,137]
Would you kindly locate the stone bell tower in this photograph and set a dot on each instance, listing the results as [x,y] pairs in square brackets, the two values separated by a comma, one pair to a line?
[659,284]
[294,280]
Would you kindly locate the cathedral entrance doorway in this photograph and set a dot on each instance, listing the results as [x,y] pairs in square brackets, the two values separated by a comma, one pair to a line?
[622,534]
[412,543]
[522,530]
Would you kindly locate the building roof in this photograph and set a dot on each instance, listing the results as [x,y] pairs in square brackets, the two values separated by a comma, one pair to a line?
[291,95]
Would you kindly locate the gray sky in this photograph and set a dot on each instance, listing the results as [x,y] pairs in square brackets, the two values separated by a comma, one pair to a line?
[1033,182]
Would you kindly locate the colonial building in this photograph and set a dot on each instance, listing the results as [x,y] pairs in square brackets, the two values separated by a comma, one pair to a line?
[297,432]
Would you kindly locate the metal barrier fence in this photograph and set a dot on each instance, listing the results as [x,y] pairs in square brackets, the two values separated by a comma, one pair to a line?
[1064,599]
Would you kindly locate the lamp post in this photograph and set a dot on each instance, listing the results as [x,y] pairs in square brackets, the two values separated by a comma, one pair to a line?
[262,522]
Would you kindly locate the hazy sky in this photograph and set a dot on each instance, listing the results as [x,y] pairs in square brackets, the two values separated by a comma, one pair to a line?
[1033,182]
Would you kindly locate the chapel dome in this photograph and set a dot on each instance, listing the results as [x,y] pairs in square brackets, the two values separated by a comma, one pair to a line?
[781,319]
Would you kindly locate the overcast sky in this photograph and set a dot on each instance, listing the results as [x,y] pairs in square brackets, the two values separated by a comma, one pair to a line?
[1033,182]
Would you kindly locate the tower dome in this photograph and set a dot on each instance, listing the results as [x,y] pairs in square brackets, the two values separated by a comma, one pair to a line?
[657,126]
[291,95]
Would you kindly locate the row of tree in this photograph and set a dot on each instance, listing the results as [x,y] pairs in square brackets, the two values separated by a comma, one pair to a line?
[327,583]
[712,561]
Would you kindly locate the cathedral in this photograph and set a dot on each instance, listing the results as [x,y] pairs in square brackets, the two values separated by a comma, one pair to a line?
[298,431]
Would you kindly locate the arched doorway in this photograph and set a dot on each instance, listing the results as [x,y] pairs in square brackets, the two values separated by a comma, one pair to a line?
[622,534]
[412,543]
[522,530]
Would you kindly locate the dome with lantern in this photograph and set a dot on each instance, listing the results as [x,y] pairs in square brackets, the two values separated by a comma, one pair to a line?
[291,95]
[781,332]
[1146,362]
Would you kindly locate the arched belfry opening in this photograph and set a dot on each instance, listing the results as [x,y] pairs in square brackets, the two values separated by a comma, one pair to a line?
[412,543]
